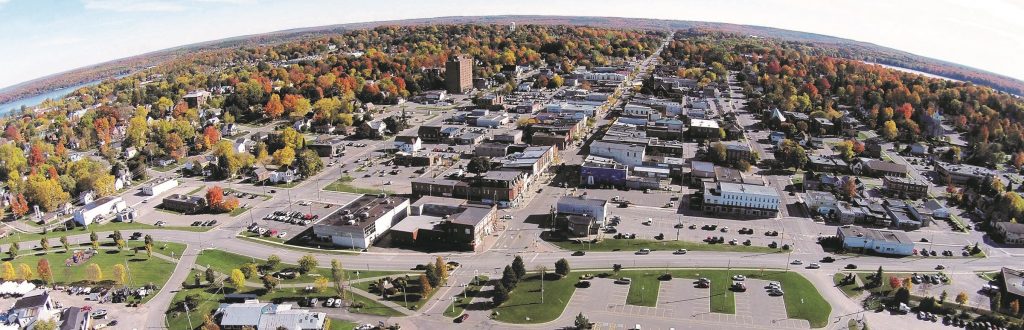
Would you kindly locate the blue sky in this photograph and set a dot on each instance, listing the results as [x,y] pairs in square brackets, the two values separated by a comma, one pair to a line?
[42,37]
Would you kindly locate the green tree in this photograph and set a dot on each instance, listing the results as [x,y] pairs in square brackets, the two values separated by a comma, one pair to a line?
[238,279]
[479,164]
[509,279]
[64,242]
[309,163]
[272,261]
[210,275]
[44,244]
[307,263]
[500,295]
[270,282]
[519,267]
[12,251]
[562,267]
[249,270]
[95,240]
[582,322]
[432,275]
[49,324]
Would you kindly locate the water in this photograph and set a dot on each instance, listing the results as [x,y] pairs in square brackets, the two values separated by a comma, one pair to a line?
[35,100]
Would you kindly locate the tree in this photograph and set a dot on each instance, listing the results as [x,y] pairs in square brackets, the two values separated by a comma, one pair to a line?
[249,270]
[211,135]
[49,324]
[562,267]
[94,273]
[274,109]
[320,284]
[214,196]
[43,269]
[65,244]
[120,274]
[121,244]
[942,297]
[44,244]
[12,251]
[895,282]
[889,131]
[425,287]
[500,295]
[791,154]
[850,187]
[270,282]
[19,205]
[961,298]
[272,261]
[7,272]
[717,153]
[307,263]
[877,280]
[902,295]
[284,156]
[582,322]
[210,324]
[432,275]
[149,250]
[509,278]
[519,267]
[210,275]
[46,193]
[338,275]
[238,279]
[309,163]
[479,164]
[25,272]
[442,269]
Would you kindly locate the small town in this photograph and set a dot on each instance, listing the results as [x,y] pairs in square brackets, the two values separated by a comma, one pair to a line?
[495,175]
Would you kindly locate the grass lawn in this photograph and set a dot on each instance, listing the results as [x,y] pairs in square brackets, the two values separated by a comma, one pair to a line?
[465,298]
[194,191]
[413,300]
[106,227]
[372,307]
[344,184]
[524,306]
[224,262]
[281,243]
[238,211]
[339,324]
[663,245]
[209,301]
[141,269]
[643,291]
[852,290]
[169,167]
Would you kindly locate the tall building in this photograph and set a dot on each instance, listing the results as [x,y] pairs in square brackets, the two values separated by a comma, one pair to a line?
[458,75]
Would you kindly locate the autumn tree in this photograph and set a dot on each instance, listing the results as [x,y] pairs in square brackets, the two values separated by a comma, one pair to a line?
[211,135]
[214,197]
[284,156]
[25,272]
[7,272]
[320,284]
[307,263]
[238,279]
[889,131]
[961,298]
[94,273]
[442,269]
[120,274]
[274,109]
[44,271]
[270,282]
[895,282]
[19,205]
[44,244]
[425,287]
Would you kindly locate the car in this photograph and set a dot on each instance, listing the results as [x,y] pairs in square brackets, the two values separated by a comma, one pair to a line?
[643,251]
[813,266]
[828,259]
[851,266]
[212,222]
[680,251]
[329,302]
[725,229]
[940,267]
[624,280]
[693,227]
[282,234]
[578,253]
[679,225]
[196,223]
[796,262]
[583,284]
[99,314]
[739,287]
[738,278]
[775,293]
[462,318]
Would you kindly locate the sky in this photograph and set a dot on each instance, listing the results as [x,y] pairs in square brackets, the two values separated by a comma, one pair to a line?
[43,37]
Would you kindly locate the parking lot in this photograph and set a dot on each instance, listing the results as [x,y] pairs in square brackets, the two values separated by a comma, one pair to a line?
[290,221]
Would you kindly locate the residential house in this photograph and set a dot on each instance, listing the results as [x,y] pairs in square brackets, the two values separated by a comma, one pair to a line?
[374,129]
[408,143]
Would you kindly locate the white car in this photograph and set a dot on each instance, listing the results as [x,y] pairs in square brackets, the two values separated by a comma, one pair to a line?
[797,262]
[680,251]
[813,266]
[738,277]
[282,234]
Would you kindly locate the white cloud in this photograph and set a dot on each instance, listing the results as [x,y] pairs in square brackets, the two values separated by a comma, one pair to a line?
[133,5]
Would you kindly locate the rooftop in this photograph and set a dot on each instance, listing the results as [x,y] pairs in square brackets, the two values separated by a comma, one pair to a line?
[875,234]
[703,123]
[582,201]
[1014,280]
[740,188]
[363,211]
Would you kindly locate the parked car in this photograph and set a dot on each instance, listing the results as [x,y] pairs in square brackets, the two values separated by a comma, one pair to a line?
[644,251]
[624,280]
[813,266]
[462,318]
[578,253]
[680,251]
[738,278]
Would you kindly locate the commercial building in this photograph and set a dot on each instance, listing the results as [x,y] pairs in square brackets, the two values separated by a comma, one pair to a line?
[184,203]
[1010,233]
[360,223]
[602,172]
[963,173]
[741,199]
[458,74]
[159,187]
[533,160]
[1013,282]
[95,211]
[735,152]
[704,129]
[500,187]
[626,154]
[824,203]
[582,206]
[877,168]
[253,314]
[904,187]
[878,241]
[439,222]
[329,147]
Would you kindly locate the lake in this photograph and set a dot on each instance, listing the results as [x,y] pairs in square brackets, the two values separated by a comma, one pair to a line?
[35,100]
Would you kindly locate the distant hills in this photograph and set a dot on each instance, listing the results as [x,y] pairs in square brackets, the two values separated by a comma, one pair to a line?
[843,47]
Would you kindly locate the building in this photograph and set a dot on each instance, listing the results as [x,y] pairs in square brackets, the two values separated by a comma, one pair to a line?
[197,165]
[458,74]
[159,187]
[408,143]
[905,216]
[602,172]
[741,199]
[704,129]
[98,209]
[626,154]
[196,99]
[904,187]
[329,147]
[75,318]
[430,134]
[1013,283]
[533,160]
[735,152]
[963,173]
[253,314]
[581,206]
[824,203]
[184,203]
[360,223]
[872,240]
[827,164]
[1010,233]
[512,137]
[500,187]
[446,222]
[877,168]
[33,307]
[491,149]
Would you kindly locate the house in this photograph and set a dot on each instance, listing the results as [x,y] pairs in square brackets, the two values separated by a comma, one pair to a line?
[130,152]
[198,165]
[826,164]
[259,175]
[283,176]
[159,186]
[34,306]
[86,197]
[879,241]
[877,168]
[1013,283]
[361,222]
[242,144]
[777,137]
[741,199]
[184,203]
[75,318]
[469,138]
[701,171]
[704,129]
[441,221]
[228,129]
[374,129]
[430,134]
[904,187]
[408,143]
[1010,233]
[253,314]
[918,149]
[824,203]
[95,211]
[626,154]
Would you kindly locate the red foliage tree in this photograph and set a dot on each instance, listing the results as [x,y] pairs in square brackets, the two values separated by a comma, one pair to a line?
[19,205]
[211,135]
[274,108]
[214,197]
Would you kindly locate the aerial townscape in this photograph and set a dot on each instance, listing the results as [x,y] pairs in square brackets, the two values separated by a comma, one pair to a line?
[515,173]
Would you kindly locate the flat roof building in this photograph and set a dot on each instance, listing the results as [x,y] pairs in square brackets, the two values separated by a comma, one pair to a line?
[874,240]
[364,220]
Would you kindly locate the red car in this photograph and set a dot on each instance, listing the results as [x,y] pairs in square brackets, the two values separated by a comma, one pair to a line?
[462,318]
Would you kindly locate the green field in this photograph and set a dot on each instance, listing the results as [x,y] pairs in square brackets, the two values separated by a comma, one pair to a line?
[101,228]
[643,291]
[524,306]
[663,245]
[344,184]
[284,244]
[223,262]
[412,300]
[176,317]
[339,324]
[141,269]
